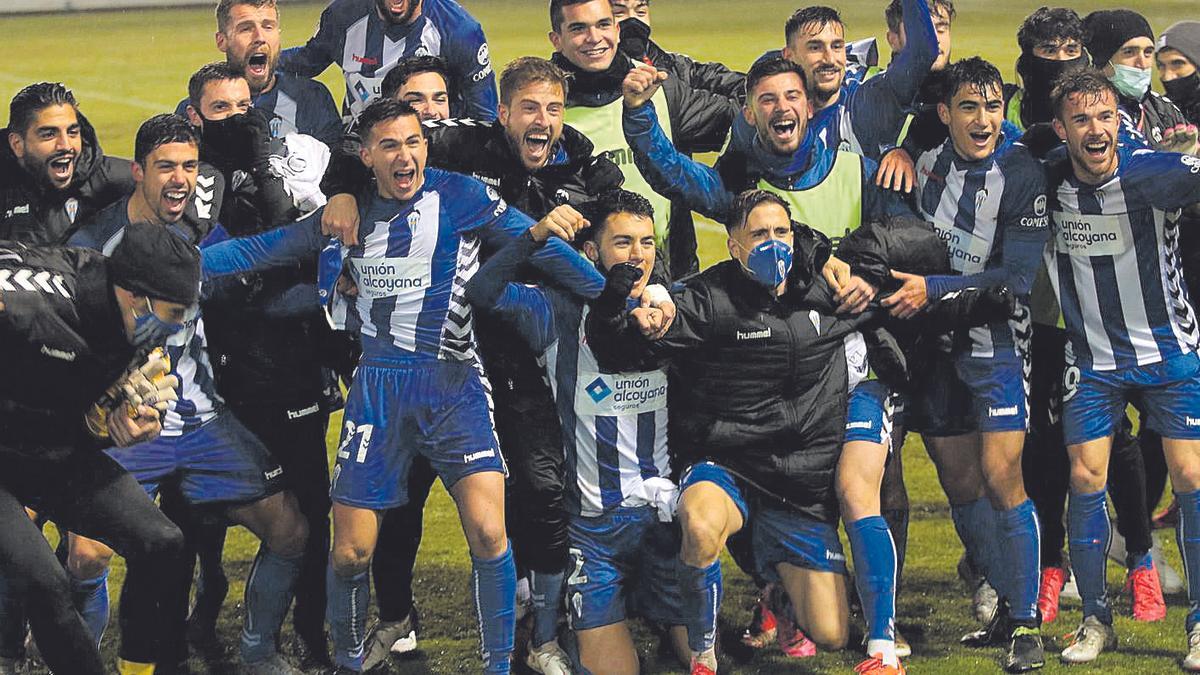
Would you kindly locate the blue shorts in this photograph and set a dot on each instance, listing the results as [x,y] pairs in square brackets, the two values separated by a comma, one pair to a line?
[870,414]
[623,563]
[218,462]
[397,409]
[777,535]
[1166,393]
[966,393]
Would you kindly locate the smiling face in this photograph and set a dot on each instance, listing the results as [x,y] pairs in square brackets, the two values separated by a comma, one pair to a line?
[779,110]
[974,117]
[165,183]
[820,49]
[399,12]
[624,238]
[533,121]
[396,151]
[250,43]
[50,146]
[588,35]
[427,94]
[1088,122]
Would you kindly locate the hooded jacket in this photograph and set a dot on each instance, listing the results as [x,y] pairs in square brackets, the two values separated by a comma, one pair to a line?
[35,213]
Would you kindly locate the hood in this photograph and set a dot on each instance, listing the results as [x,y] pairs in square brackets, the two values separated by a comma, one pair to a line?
[594,89]
[11,171]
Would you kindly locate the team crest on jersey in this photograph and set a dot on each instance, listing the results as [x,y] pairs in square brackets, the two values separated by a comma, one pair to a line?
[414,219]
[980,198]
[484,56]
[72,208]
[422,51]
[1039,206]
[276,126]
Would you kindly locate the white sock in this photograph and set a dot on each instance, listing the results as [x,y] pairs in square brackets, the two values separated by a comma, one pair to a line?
[885,649]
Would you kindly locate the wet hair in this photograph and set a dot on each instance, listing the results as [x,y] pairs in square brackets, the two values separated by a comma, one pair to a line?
[894,14]
[1086,81]
[217,71]
[383,110]
[225,7]
[818,14]
[972,72]
[31,100]
[527,70]
[161,130]
[394,81]
[745,203]
[765,68]
[611,202]
[1049,24]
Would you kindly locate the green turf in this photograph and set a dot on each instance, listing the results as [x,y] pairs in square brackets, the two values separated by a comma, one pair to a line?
[125,66]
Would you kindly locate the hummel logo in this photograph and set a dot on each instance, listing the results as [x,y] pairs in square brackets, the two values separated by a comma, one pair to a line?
[1002,412]
[860,425]
[474,456]
[754,335]
[273,473]
[1191,421]
[365,60]
[303,412]
[58,354]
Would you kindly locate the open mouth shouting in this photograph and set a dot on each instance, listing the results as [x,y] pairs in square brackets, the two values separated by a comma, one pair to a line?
[1096,149]
[258,66]
[981,139]
[536,144]
[405,179]
[174,200]
[61,167]
[784,128]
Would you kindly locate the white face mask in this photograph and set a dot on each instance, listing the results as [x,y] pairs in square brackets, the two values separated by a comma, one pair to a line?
[1130,81]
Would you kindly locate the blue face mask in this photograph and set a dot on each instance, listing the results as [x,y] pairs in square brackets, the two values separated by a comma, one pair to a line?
[770,262]
[151,331]
[1130,81]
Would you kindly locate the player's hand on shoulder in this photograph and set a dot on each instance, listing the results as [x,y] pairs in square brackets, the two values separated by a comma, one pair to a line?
[340,219]
[897,172]
[563,222]
[641,83]
[910,298]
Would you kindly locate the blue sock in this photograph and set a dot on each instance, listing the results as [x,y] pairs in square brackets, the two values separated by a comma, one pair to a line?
[269,590]
[975,523]
[702,589]
[1188,536]
[547,591]
[495,585]
[1089,535]
[1021,542]
[1142,561]
[90,597]
[349,598]
[875,574]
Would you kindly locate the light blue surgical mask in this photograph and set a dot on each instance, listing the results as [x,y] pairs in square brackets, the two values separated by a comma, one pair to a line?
[770,262]
[1130,81]
[151,331]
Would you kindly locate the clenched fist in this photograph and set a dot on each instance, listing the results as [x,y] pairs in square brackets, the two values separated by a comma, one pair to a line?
[563,222]
[640,84]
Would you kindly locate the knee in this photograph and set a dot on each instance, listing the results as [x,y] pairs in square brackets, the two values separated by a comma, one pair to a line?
[1087,479]
[830,636]
[487,540]
[702,538]
[289,535]
[350,559]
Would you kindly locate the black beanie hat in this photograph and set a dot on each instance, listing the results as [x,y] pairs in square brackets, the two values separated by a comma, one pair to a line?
[154,261]
[1107,29]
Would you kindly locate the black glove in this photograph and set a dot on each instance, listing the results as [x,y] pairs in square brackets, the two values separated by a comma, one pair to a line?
[886,357]
[239,141]
[969,308]
[618,284]
[255,128]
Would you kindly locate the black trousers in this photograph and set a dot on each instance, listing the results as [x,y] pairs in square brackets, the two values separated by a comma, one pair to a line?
[90,494]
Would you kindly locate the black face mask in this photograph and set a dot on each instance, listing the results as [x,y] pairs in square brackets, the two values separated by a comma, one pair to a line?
[222,141]
[635,37]
[1184,91]
[1038,76]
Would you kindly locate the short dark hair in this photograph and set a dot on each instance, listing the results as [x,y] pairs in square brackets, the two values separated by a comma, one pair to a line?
[970,72]
[1049,24]
[528,69]
[745,203]
[1087,81]
[556,11]
[818,14]
[894,14]
[413,65]
[610,202]
[33,99]
[161,130]
[224,7]
[765,68]
[380,111]
[217,71]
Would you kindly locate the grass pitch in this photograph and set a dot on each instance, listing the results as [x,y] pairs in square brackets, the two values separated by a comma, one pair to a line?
[126,66]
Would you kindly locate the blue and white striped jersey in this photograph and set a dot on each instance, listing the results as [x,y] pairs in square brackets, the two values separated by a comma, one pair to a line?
[411,263]
[297,105]
[992,215]
[1114,260]
[614,424]
[198,399]
[353,35]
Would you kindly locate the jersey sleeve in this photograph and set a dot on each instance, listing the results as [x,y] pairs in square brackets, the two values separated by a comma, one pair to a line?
[1167,180]
[282,246]
[321,50]
[1025,227]
[495,288]
[670,172]
[469,59]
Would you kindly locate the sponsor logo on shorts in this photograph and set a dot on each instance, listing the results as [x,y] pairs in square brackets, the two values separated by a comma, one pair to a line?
[1007,411]
[834,556]
[476,456]
[304,412]
[860,425]
[1191,421]
[754,334]
[17,210]
[273,473]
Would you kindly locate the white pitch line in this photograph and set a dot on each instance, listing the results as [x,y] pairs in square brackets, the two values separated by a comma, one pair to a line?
[87,94]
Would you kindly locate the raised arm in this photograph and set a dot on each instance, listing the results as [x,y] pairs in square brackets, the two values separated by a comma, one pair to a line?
[276,248]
